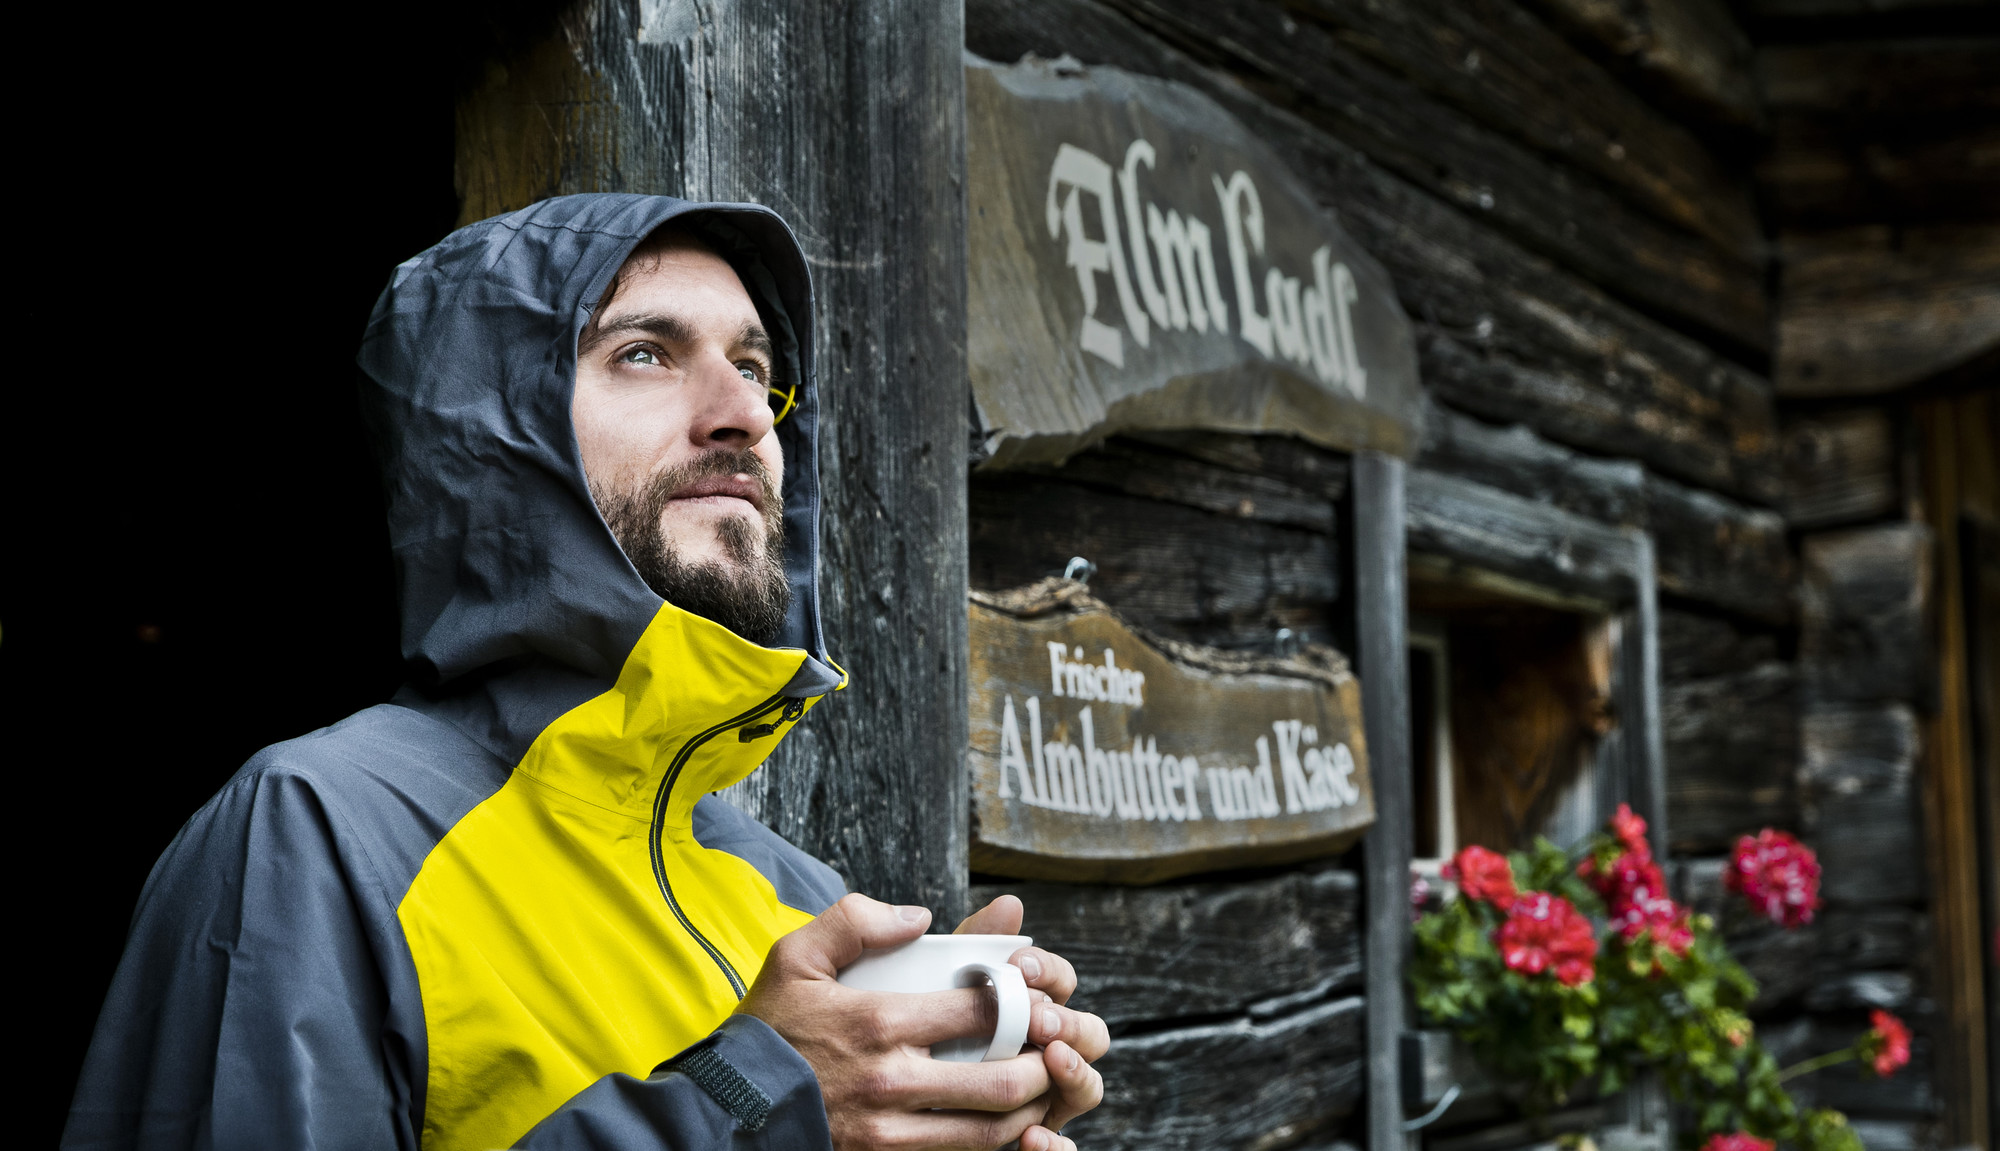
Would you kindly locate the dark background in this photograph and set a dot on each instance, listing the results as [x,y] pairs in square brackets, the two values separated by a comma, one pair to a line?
[197,564]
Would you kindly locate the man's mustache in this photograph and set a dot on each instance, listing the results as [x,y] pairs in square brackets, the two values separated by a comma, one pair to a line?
[718,462]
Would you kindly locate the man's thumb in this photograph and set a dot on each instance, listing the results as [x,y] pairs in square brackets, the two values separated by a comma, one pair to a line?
[838,936]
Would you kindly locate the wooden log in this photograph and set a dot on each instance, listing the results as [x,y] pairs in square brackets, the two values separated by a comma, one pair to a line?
[1692,50]
[1697,645]
[1870,309]
[1840,468]
[1187,574]
[1511,337]
[1177,950]
[1732,750]
[682,106]
[1712,550]
[1479,527]
[1137,468]
[1399,109]
[1871,938]
[1304,466]
[1856,781]
[1872,130]
[1242,1083]
[1865,597]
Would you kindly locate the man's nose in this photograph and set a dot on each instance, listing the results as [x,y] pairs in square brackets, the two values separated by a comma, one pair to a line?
[732,409]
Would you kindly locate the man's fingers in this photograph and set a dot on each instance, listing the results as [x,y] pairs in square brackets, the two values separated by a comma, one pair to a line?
[1051,1022]
[1040,1138]
[1078,1086]
[1000,917]
[946,1130]
[1045,971]
[915,1020]
[1003,1086]
[842,931]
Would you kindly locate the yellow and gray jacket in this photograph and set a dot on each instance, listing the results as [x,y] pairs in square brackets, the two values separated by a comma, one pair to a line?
[504,908]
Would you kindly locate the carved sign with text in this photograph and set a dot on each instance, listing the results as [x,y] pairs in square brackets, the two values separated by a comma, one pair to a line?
[1098,754]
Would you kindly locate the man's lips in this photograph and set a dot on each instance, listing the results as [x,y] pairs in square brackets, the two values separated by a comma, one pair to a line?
[741,485]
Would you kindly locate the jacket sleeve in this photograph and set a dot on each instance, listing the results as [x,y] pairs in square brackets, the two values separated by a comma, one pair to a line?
[249,1008]
[742,1087]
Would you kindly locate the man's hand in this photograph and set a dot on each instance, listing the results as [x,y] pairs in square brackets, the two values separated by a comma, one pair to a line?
[1070,1040]
[870,1049]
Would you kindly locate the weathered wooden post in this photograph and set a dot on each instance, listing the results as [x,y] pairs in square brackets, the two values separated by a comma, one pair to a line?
[849,120]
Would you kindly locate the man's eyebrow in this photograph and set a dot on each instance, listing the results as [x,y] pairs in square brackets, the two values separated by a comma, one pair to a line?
[754,338]
[666,328]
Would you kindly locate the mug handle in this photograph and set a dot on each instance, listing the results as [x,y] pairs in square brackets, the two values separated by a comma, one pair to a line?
[1011,992]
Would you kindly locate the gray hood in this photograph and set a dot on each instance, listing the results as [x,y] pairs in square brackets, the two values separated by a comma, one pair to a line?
[468,366]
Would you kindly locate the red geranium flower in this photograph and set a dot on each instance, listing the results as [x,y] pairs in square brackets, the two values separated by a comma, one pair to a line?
[1483,875]
[1737,1141]
[1630,830]
[1887,1044]
[1778,875]
[1545,932]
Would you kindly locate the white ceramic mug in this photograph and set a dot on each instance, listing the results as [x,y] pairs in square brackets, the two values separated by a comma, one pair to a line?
[943,962]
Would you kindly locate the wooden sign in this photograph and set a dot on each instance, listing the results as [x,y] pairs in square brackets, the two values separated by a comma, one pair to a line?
[1138,260]
[1098,754]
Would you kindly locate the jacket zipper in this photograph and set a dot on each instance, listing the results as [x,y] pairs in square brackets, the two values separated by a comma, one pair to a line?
[793,709]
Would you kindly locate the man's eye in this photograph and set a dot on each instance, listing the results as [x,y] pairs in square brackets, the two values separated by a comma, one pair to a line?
[751,372]
[640,356]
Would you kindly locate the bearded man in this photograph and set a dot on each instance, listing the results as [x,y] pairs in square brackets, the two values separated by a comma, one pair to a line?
[505,908]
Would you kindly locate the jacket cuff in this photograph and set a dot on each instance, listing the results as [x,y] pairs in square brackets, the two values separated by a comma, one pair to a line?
[765,1087]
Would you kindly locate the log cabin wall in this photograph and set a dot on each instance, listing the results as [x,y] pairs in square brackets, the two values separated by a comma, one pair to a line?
[1590,210]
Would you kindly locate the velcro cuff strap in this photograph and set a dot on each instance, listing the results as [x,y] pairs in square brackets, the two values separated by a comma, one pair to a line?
[744,1100]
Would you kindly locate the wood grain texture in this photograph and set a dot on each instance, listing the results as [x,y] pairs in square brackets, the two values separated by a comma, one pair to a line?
[1697,645]
[1856,778]
[1865,601]
[1870,309]
[1475,526]
[1690,49]
[1186,574]
[1241,488]
[1379,513]
[1484,137]
[1242,1083]
[862,149]
[1732,753]
[1840,468]
[1711,549]
[1178,950]
[1510,336]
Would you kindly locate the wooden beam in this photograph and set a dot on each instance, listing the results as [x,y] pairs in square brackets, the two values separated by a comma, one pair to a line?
[1147,954]
[1856,778]
[1712,549]
[1865,607]
[1479,527]
[1732,755]
[1840,467]
[1696,645]
[1678,225]
[1872,309]
[1691,49]
[1507,335]
[1247,1082]
[687,108]
[1378,515]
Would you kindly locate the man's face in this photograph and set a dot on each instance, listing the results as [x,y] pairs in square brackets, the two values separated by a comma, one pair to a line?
[674,422]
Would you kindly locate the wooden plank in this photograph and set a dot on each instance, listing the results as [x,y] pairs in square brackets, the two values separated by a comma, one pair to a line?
[1712,550]
[1690,49]
[1871,309]
[1177,950]
[1646,250]
[1510,337]
[1186,574]
[1696,645]
[610,103]
[1243,1083]
[1137,468]
[1732,753]
[1478,527]
[1864,604]
[1871,130]
[1379,515]
[1840,467]
[1856,780]
[1099,755]
[1281,458]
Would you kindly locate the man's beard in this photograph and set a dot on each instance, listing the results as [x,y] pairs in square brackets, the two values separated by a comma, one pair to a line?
[749,595]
